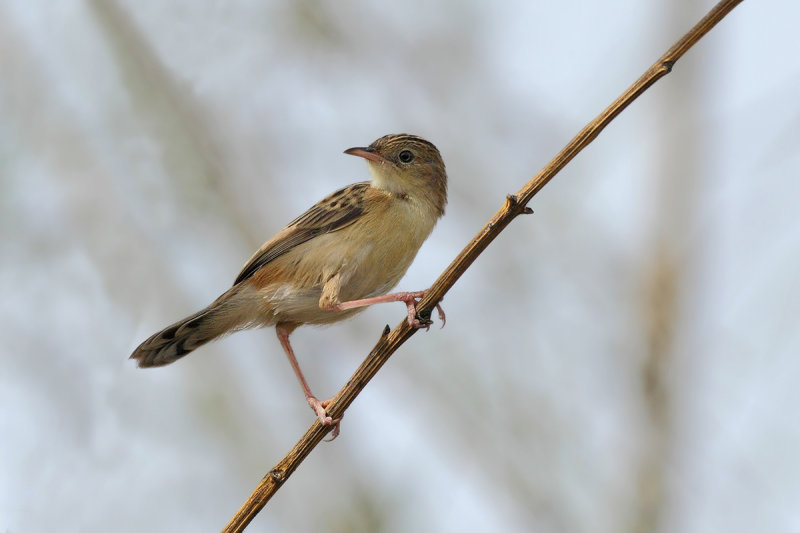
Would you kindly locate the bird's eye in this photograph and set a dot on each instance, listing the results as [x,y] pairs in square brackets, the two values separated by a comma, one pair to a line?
[406,156]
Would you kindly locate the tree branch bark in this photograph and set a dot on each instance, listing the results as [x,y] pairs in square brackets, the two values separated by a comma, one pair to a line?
[514,205]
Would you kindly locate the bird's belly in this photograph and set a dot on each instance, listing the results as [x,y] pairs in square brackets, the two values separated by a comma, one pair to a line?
[286,303]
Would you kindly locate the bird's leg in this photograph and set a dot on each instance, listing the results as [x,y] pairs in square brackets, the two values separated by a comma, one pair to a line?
[409,298]
[319,407]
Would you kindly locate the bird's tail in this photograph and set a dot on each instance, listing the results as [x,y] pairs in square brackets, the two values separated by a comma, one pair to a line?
[228,313]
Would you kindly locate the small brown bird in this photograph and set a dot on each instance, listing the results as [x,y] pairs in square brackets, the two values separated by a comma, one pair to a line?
[343,254]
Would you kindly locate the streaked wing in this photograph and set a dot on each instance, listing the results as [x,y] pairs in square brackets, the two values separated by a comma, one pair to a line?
[334,212]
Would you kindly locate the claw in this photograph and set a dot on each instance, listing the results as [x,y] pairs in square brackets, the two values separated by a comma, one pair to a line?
[442,317]
[335,432]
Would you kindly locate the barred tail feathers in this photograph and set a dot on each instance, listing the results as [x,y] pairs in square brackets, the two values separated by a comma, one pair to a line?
[228,313]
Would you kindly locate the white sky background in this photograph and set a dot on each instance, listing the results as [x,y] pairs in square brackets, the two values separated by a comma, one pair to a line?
[625,359]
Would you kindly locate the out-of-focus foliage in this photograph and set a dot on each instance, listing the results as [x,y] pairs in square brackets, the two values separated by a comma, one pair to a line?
[623,360]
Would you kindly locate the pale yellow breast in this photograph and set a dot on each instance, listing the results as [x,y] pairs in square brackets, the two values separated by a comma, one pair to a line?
[390,243]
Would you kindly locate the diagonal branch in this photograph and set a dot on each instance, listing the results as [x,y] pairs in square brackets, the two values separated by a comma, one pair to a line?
[514,205]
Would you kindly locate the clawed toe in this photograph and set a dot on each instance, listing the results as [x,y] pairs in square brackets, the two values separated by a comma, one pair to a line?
[442,316]
[335,433]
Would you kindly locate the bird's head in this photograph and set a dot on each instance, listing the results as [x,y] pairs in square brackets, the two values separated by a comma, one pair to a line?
[407,165]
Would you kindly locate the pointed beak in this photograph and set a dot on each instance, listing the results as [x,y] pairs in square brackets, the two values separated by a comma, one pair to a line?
[367,153]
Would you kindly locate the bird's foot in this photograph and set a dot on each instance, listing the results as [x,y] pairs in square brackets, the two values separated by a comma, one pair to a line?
[322,414]
[411,299]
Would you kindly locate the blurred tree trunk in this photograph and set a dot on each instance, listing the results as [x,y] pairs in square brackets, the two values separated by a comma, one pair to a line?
[664,316]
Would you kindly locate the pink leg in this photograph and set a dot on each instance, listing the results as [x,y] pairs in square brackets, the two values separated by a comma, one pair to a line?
[409,298]
[318,406]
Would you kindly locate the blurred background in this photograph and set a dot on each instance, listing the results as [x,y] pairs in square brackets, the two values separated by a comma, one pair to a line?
[623,360]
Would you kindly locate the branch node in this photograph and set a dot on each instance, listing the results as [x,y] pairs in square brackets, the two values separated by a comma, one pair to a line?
[512,204]
[277,475]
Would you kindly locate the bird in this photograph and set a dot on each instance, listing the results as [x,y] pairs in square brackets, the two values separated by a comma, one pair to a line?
[343,254]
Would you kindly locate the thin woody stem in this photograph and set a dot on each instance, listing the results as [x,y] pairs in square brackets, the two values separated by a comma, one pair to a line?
[514,205]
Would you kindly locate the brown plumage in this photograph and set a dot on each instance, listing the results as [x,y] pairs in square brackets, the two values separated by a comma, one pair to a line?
[344,253]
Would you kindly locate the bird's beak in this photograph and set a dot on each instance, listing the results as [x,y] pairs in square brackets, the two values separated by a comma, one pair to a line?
[367,153]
